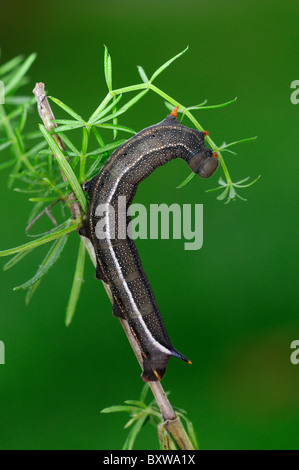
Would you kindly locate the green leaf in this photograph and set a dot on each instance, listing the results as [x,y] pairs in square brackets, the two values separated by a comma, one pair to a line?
[21,71]
[121,128]
[68,110]
[215,106]
[30,292]
[108,108]
[40,241]
[77,284]
[66,168]
[10,65]
[124,108]
[7,164]
[69,143]
[115,120]
[98,137]
[240,197]
[108,68]
[20,100]
[186,181]
[232,192]
[223,194]
[238,185]
[192,434]
[68,126]
[129,443]
[130,422]
[167,64]
[85,140]
[107,148]
[118,409]
[225,146]
[94,167]
[142,74]
[214,189]
[137,403]
[13,261]
[99,109]
[42,199]
[191,431]
[144,392]
[36,149]
[31,135]
[23,119]
[52,256]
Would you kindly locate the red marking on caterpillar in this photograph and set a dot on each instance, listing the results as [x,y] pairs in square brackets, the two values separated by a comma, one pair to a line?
[175,112]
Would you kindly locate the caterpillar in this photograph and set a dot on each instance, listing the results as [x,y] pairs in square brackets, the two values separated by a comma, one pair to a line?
[118,261]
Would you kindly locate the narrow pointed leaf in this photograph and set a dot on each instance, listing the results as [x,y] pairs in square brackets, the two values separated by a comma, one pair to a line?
[215,106]
[52,256]
[186,181]
[7,164]
[12,64]
[40,241]
[68,110]
[240,197]
[248,139]
[21,71]
[13,261]
[223,195]
[69,143]
[77,284]
[214,189]
[167,64]
[134,433]
[121,128]
[142,74]
[66,168]
[108,68]
[23,119]
[107,148]
[247,185]
[98,137]
[108,108]
[115,120]
[136,403]
[192,434]
[124,108]
[68,127]
[117,409]
[232,192]
[144,392]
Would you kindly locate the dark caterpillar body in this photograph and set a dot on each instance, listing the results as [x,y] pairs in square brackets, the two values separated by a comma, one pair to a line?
[118,262]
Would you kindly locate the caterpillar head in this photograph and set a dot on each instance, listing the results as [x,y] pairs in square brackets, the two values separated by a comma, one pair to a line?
[204,163]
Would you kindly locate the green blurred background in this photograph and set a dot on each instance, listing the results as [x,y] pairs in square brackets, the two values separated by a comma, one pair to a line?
[232,307]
